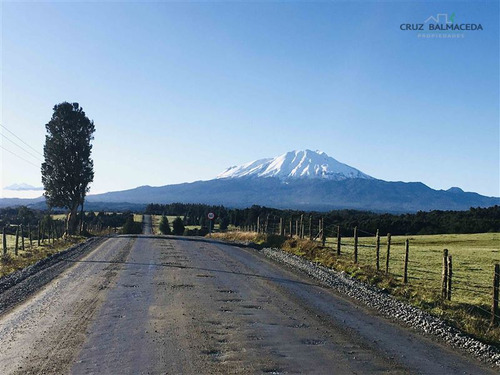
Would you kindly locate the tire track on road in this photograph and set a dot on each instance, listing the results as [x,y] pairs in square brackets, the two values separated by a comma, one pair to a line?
[44,334]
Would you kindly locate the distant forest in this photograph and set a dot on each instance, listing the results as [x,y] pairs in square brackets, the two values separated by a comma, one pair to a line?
[475,220]
[11,217]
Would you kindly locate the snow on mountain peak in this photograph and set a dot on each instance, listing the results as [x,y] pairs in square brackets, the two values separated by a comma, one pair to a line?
[294,165]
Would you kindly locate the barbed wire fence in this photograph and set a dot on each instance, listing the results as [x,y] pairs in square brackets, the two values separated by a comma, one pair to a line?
[435,271]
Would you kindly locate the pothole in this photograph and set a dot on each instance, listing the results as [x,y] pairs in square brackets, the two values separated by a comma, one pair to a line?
[230,300]
[256,307]
[312,342]
[182,286]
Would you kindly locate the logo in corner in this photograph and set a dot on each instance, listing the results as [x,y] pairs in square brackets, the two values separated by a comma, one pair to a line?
[441,25]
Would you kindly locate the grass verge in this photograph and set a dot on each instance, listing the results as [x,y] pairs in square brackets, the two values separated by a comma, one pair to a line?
[10,262]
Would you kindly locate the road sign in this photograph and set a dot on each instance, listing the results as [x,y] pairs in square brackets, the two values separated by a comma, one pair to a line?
[211,215]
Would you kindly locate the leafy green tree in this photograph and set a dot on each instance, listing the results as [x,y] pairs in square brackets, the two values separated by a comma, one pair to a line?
[178,226]
[25,215]
[47,221]
[68,169]
[165,226]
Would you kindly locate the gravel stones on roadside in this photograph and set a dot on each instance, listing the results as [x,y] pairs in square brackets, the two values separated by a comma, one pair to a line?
[387,305]
[19,285]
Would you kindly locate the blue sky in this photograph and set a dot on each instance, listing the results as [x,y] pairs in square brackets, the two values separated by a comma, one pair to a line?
[180,91]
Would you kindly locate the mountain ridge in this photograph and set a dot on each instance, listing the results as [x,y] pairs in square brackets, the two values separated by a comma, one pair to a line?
[305,180]
[293,165]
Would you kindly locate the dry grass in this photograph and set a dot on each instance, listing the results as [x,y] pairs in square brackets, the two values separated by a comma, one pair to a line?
[11,262]
[241,237]
[58,216]
[473,259]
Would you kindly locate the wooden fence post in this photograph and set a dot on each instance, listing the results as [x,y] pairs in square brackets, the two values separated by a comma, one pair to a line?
[310,227]
[338,239]
[377,250]
[450,274]
[301,229]
[407,253]
[4,241]
[30,236]
[444,275]
[494,305]
[258,224]
[296,228]
[323,234]
[291,227]
[266,228]
[38,238]
[16,249]
[355,244]
[22,237]
[388,253]
[282,230]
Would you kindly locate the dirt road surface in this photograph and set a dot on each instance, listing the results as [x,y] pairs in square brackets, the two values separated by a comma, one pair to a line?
[157,305]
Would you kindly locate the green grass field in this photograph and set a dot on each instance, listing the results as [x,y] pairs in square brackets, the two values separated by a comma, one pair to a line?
[474,256]
[156,223]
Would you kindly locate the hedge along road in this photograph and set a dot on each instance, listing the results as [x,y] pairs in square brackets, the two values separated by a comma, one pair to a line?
[159,305]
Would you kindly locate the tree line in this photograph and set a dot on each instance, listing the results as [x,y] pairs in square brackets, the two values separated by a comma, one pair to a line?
[475,220]
[12,217]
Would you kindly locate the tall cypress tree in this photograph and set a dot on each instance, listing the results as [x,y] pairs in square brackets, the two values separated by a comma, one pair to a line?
[68,169]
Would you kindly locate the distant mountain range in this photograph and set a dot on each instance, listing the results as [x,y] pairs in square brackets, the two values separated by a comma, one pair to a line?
[306,180]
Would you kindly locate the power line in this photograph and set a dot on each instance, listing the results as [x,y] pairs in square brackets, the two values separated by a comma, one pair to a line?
[20,157]
[22,148]
[3,126]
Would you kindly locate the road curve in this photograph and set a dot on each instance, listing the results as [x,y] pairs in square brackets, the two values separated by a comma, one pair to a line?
[157,305]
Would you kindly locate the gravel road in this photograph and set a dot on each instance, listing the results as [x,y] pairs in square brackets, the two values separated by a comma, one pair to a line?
[166,305]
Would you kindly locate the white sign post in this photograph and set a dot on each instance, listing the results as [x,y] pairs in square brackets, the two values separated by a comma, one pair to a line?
[211,217]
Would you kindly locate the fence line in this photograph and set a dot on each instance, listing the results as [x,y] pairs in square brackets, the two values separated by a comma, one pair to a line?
[402,265]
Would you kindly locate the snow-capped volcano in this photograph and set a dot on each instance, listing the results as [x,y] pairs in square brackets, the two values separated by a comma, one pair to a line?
[296,165]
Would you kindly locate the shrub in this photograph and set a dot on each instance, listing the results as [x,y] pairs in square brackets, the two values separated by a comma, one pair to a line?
[202,231]
[178,226]
[165,226]
[131,227]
